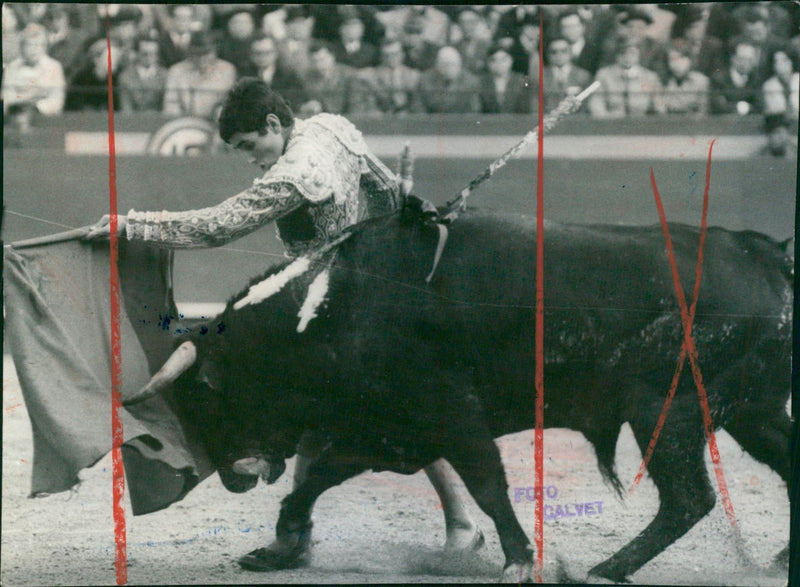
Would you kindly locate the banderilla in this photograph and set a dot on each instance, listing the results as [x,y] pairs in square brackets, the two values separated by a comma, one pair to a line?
[567,106]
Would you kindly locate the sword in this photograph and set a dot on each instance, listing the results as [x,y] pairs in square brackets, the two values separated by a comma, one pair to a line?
[567,106]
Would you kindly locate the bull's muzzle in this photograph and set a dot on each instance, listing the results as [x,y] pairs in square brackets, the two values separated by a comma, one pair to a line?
[181,359]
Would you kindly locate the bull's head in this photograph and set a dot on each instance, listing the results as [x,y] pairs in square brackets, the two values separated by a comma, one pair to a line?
[245,471]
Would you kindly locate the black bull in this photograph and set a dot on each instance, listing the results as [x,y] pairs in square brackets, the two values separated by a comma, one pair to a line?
[398,372]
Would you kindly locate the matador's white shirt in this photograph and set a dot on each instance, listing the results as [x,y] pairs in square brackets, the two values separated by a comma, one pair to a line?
[326,180]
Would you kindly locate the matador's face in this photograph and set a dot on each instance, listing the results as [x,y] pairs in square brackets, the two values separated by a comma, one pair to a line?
[262,148]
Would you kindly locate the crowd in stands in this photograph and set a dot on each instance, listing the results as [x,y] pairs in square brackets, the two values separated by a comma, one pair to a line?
[180,59]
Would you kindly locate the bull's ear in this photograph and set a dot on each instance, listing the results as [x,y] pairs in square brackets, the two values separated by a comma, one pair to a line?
[210,374]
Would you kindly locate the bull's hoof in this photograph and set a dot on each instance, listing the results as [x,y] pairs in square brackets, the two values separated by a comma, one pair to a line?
[291,550]
[464,540]
[263,560]
[518,573]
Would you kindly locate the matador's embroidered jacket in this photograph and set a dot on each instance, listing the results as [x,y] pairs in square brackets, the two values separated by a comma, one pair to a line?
[326,180]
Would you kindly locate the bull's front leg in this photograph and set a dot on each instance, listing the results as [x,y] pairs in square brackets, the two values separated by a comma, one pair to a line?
[292,545]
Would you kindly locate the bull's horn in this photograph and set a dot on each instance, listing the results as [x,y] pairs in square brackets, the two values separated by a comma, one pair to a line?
[180,360]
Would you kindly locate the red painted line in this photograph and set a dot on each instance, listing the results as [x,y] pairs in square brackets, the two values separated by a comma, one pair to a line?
[708,425]
[117,468]
[682,359]
[538,443]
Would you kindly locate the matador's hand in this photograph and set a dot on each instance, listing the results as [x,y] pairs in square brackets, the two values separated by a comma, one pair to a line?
[102,229]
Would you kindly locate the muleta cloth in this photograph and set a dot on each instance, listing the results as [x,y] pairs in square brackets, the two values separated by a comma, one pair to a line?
[58,329]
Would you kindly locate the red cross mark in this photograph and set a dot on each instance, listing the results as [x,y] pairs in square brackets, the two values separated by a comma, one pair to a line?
[688,348]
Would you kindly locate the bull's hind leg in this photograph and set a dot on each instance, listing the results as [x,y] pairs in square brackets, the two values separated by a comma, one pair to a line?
[679,472]
[765,436]
[475,457]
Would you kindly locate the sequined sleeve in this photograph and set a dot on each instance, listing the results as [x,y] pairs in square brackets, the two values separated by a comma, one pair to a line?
[216,225]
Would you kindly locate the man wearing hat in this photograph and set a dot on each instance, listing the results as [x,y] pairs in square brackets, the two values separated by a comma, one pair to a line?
[627,88]
[633,23]
[198,84]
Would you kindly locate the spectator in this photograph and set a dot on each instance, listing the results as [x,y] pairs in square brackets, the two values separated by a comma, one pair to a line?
[706,52]
[331,87]
[756,32]
[633,24]
[197,85]
[328,19]
[123,22]
[142,83]
[174,39]
[627,88]
[11,34]
[503,90]
[525,50]
[781,92]
[561,76]
[89,89]
[511,23]
[65,44]
[582,54]
[419,52]
[447,87]
[686,91]
[264,65]
[475,40]
[293,50]
[392,86]
[234,44]
[350,47]
[775,14]
[780,139]
[33,84]
[735,89]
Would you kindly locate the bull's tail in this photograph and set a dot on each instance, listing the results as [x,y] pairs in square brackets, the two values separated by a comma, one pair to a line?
[605,448]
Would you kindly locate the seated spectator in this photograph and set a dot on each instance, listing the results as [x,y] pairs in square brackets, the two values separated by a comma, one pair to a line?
[89,88]
[633,24]
[503,90]
[735,90]
[293,50]
[197,85]
[524,50]
[176,34]
[780,138]
[582,54]
[781,92]
[11,34]
[65,44]
[706,52]
[561,77]
[627,88]
[686,91]
[142,83]
[124,29]
[328,19]
[775,14]
[511,22]
[331,87]
[447,87]
[350,47]
[233,45]
[33,84]
[756,32]
[391,87]
[475,39]
[264,64]
[419,53]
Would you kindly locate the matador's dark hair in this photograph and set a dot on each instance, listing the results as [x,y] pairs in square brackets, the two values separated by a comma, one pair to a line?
[247,106]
